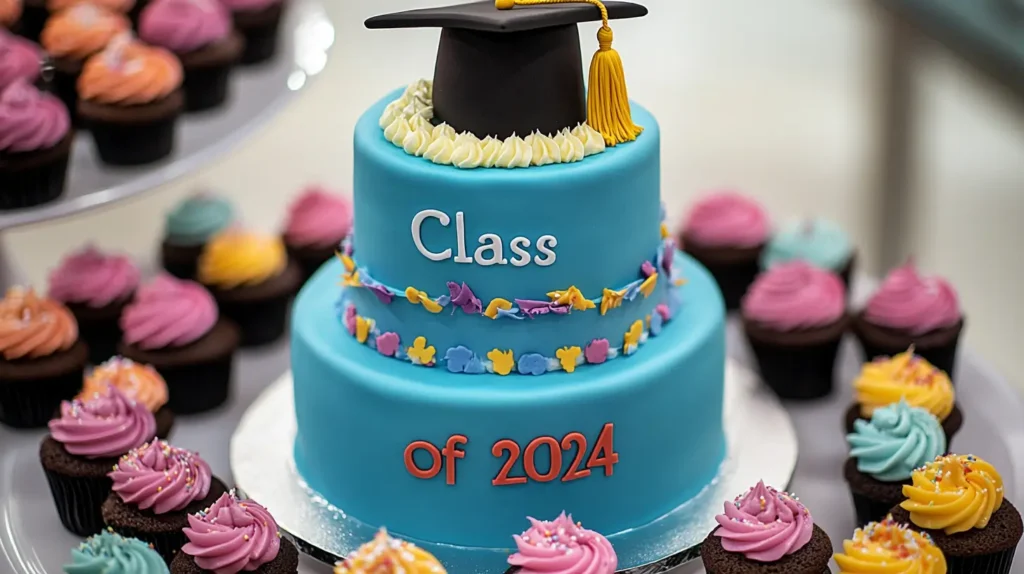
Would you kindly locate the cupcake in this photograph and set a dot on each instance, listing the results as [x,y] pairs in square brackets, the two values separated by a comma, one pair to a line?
[958,500]
[252,280]
[10,16]
[820,242]
[96,288]
[236,535]
[561,545]
[110,553]
[386,554]
[20,59]
[173,325]
[188,228]
[317,222]
[912,310]
[906,376]
[794,316]
[35,143]
[726,232]
[884,451]
[73,35]
[155,488]
[259,22]
[201,34]
[138,382]
[41,358]
[130,98]
[768,531]
[83,444]
[888,546]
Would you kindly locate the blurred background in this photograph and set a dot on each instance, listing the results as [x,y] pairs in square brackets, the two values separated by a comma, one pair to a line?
[790,101]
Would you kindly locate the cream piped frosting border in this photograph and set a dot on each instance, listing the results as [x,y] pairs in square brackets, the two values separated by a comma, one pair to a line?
[406,124]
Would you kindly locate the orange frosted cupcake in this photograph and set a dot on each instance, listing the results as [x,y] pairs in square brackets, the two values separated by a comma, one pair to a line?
[138,382]
[10,13]
[130,97]
[41,358]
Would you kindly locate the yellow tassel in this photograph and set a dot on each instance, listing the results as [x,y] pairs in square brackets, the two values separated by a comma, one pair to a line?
[607,99]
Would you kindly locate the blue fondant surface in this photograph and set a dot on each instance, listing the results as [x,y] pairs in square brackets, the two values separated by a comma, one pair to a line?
[358,410]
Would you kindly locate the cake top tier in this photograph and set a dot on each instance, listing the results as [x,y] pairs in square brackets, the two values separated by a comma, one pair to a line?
[514,67]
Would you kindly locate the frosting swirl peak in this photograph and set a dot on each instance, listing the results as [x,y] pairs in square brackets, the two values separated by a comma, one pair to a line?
[81,31]
[161,478]
[764,524]
[727,219]
[184,26]
[318,218]
[232,535]
[104,426]
[129,72]
[137,381]
[111,553]
[887,547]
[908,376]
[19,58]
[387,555]
[168,312]
[561,546]
[30,120]
[897,439]
[795,295]
[954,493]
[33,326]
[912,302]
[93,278]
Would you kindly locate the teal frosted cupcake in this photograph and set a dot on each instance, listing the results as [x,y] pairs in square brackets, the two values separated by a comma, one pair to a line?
[820,242]
[109,553]
[188,228]
[883,453]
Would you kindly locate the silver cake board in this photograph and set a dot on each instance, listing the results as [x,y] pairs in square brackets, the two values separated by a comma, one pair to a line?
[762,445]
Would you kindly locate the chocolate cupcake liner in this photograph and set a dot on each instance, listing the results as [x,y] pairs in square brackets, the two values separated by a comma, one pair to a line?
[34,178]
[65,87]
[261,322]
[942,357]
[286,562]
[310,259]
[869,509]
[799,373]
[102,336]
[33,19]
[134,143]
[180,261]
[31,403]
[206,88]
[261,33]
[995,563]
[199,387]
[733,278]
[164,422]
[78,501]
[166,544]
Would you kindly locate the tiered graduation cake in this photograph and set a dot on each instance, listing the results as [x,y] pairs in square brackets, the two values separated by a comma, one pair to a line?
[511,332]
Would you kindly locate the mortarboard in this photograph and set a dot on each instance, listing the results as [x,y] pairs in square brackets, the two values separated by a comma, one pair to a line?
[514,66]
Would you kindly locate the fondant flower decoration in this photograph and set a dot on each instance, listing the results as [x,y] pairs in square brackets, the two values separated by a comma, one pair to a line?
[572,297]
[664,231]
[611,299]
[663,310]
[647,287]
[387,344]
[497,304]
[647,269]
[532,308]
[656,322]
[381,292]
[417,297]
[512,313]
[462,296]
[567,357]
[632,339]
[597,351]
[420,353]
[533,364]
[350,278]
[502,361]
[363,328]
[457,358]
[350,319]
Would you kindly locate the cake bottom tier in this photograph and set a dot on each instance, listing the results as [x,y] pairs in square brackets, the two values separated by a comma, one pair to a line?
[463,459]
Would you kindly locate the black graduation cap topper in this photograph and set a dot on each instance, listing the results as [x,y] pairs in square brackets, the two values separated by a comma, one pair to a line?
[514,66]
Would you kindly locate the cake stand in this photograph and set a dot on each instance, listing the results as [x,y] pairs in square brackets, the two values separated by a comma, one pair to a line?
[258,93]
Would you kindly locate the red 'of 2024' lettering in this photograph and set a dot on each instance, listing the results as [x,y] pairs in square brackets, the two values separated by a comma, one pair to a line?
[603,455]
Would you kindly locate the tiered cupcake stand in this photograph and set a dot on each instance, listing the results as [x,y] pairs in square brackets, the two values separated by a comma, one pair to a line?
[258,93]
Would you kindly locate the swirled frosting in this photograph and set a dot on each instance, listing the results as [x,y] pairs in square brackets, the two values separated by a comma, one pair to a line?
[137,381]
[318,218]
[231,536]
[10,12]
[795,295]
[885,381]
[764,524]
[81,31]
[196,219]
[111,553]
[953,493]
[103,426]
[911,302]
[820,242]
[33,326]
[161,478]
[184,26]
[897,439]
[890,548]
[93,278]
[387,555]
[19,58]
[121,6]
[236,257]
[561,546]
[406,124]
[727,219]
[168,312]
[30,120]
[130,73]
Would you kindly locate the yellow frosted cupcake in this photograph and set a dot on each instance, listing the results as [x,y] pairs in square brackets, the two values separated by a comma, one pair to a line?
[253,280]
[959,502]
[890,547]
[910,377]
[387,555]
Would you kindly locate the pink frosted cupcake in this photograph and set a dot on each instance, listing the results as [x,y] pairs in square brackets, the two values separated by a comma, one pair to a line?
[912,310]
[35,143]
[794,316]
[318,221]
[20,59]
[726,232]
[259,22]
[201,34]
[174,326]
[96,288]
[561,545]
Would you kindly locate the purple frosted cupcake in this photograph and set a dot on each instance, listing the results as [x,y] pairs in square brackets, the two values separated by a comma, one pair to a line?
[83,444]
[35,142]
[910,309]
[561,545]
[201,34]
[20,59]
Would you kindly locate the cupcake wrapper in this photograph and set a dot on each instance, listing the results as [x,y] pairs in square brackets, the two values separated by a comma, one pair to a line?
[180,261]
[206,88]
[135,143]
[102,338]
[943,357]
[33,19]
[164,422]
[34,185]
[261,322]
[166,544]
[261,34]
[65,86]
[31,404]
[800,373]
[869,510]
[996,563]
[198,388]
[309,260]
[733,280]
[78,501]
